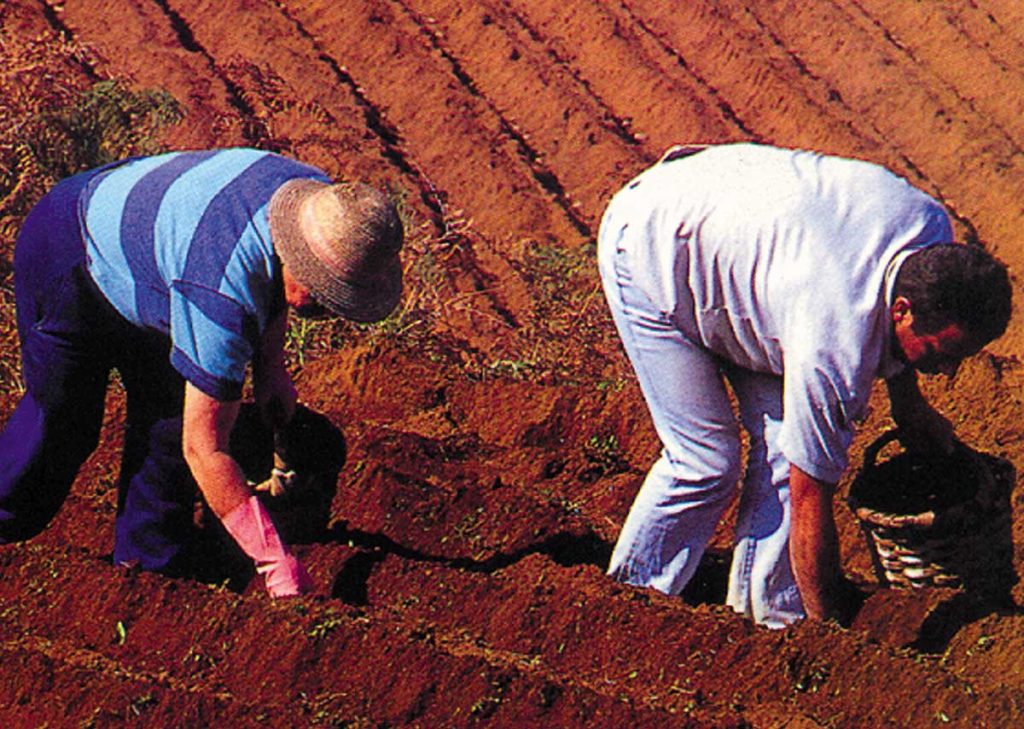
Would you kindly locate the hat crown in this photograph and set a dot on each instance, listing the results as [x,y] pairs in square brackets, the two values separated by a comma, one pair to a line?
[342,242]
[350,228]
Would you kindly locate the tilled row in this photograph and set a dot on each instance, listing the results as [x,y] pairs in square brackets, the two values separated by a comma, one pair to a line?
[138,643]
[662,653]
[960,153]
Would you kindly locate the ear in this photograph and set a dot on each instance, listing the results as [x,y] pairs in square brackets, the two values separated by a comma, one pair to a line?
[900,310]
[295,294]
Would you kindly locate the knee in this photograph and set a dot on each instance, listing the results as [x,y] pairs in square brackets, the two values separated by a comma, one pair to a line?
[711,472]
[706,461]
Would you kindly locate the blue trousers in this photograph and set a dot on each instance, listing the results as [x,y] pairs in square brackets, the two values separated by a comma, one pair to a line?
[71,338]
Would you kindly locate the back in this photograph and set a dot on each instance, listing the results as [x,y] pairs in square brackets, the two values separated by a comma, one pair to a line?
[180,243]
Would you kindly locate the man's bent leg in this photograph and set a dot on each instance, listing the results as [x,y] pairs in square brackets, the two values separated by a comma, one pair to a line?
[156,492]
[56,425]
[761,581]
[41,449]
[685,493]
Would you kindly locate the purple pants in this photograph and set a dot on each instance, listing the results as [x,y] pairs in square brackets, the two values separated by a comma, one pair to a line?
[71,338]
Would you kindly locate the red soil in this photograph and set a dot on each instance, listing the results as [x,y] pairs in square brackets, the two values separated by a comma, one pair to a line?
[495,436]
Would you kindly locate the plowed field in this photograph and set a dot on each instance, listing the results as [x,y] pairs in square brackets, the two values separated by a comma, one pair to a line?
[495,434]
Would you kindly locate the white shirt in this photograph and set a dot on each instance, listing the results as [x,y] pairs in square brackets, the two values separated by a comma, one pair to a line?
[782,261]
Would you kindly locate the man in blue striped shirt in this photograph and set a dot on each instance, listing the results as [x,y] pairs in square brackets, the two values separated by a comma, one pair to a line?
[179,271]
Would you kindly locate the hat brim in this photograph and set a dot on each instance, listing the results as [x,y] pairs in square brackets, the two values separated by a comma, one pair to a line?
[368,300]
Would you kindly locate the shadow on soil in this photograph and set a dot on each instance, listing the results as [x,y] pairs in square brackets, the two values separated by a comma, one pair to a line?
[350,585]
[948,618]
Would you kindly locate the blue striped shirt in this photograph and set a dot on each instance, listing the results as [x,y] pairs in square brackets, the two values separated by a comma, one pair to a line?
[180,243]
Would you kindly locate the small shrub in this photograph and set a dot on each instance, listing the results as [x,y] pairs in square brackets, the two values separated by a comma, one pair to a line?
[104,123]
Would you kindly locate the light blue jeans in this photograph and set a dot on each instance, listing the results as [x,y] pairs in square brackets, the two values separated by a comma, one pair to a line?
[686,491]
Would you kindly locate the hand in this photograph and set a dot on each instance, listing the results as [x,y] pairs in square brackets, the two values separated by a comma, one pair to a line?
[285,577]
[282,480]
[279,483]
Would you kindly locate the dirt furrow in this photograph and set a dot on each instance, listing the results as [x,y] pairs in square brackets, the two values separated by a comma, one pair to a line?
[939,44]
[606,635]
[554,117]
[287,663]
[117,33]
[542,173]
[462,143]
[652,93]
[85,692]
[787,101]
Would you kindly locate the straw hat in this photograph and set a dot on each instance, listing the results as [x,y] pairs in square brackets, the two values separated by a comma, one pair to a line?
[341,241]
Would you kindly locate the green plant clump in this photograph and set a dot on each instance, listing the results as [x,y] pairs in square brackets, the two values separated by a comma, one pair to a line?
[104,123]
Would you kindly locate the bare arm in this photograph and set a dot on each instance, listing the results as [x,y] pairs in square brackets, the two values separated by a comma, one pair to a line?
[921,425]
[814,545]
[205,433]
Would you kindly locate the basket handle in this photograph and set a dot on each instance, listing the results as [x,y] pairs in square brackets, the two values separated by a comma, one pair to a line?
[872,451]
[986,488]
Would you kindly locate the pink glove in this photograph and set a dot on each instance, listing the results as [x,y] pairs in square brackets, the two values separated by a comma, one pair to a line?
[250,525]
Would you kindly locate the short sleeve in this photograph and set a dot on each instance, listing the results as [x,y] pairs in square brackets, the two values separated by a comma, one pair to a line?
[818,413]
[832,355]
[212,339]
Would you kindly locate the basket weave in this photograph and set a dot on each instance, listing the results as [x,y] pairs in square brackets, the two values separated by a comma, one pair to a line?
[942,522]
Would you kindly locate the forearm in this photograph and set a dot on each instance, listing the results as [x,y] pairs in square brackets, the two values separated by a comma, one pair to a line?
[905,398]
[221,481]
[921,426]
[206,434]
[813,544]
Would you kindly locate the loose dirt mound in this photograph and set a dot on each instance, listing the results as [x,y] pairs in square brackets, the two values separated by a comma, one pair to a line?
[494,434]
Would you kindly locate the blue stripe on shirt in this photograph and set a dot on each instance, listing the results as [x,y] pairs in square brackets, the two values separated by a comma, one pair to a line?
[213,242]
[138,235]
[102,223]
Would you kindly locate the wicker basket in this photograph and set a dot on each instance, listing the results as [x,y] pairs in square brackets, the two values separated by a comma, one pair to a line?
[937,522]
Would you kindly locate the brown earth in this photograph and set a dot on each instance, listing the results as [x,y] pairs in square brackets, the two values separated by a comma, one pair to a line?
[495,436]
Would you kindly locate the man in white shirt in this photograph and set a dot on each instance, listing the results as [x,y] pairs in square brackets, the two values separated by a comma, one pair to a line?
[800,278]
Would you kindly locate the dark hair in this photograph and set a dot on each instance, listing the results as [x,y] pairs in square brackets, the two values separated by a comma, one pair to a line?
[956,284]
